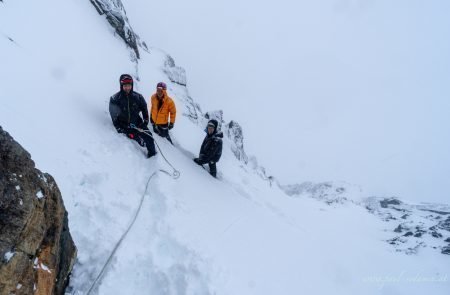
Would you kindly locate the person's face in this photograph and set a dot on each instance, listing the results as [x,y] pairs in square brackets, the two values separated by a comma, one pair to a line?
[159,92]
[210,130]
[127,87]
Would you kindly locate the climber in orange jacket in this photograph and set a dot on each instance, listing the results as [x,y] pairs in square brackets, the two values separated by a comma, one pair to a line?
[163,111]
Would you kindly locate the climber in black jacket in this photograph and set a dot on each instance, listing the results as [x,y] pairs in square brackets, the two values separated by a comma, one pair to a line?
[211,148]
[125,107]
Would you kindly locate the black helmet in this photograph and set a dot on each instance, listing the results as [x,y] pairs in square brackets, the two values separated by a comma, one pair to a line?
[213,123]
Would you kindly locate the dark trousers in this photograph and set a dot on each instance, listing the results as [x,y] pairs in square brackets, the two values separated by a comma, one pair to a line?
[212,166]
[163,131]
[144,140]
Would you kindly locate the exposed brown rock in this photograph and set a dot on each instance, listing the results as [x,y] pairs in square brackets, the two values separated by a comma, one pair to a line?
[36,250]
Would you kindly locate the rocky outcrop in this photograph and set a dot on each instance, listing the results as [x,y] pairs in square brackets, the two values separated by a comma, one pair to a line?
[410,227]
[328,192]
[175,73]
[36,249]
[117,17]
[236,135]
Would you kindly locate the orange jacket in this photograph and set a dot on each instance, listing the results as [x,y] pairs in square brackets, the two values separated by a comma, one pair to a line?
[161,116]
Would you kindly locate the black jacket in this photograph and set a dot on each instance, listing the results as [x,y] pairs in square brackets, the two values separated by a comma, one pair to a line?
[211,149]
[125,110]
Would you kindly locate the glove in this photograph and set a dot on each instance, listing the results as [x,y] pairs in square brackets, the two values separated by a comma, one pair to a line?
[125,130]
[171,125]
[131,135]
[144,124]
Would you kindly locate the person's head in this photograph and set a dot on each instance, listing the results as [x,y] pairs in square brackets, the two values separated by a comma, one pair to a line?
[161,87]
[126,83]
[212,126]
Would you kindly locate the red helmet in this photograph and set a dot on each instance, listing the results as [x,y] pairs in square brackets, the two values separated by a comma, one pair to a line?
[126,79]
[161,85]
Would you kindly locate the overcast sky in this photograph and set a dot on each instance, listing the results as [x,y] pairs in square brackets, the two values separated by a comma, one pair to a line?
[349,90]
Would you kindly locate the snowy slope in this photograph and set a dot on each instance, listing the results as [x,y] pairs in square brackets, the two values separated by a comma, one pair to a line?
[195,234]
[363,84]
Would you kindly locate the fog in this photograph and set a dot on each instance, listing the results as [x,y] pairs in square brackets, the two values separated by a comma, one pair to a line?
[355,91]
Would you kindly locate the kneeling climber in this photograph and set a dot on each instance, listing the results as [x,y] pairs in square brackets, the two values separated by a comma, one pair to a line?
[125,108]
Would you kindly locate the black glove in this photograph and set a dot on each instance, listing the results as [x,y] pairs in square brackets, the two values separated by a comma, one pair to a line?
[124,130]
[171,125]
[144,124]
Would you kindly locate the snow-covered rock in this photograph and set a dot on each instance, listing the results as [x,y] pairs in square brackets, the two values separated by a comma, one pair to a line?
[117,17]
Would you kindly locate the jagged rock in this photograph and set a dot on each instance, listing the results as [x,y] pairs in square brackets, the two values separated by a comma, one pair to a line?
[436,234]
[235,134]
[391,201]
[216,115]
[447,240]
[398,229]
[436,211]
[446,250]
[408,234]
[175,74]
[328,192]
[36,249]
[193,110]
[445,224]
[419,232]
[116,15]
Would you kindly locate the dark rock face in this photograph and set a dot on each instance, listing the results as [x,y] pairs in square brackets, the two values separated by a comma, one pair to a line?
[445,225]
[386,202]
[446,250]
[36,249]
[414,226]
[117,18]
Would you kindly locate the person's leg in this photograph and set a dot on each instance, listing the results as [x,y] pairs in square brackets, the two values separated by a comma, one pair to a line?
[163,131]
[149,143]
[168,138]
[136,137]
[212,169]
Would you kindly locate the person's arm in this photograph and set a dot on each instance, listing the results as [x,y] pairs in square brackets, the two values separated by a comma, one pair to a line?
[173,112]
[144,109]
[114,112]
[217,150]
[151,110]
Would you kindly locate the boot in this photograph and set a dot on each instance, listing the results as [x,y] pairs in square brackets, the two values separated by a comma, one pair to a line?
[150,154]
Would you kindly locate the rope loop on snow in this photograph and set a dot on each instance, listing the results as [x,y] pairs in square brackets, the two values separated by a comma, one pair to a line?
[176,173]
